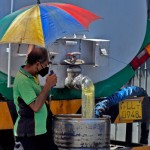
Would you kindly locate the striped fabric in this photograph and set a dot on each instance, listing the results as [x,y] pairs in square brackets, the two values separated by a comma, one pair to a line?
[44,23]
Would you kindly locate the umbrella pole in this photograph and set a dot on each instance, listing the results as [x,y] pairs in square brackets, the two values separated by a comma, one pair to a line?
[9,67]
[9,54]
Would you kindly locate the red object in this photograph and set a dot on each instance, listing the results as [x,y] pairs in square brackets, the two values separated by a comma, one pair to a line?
[140,59]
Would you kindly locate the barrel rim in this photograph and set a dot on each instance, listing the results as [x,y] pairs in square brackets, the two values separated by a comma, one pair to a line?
[78,117]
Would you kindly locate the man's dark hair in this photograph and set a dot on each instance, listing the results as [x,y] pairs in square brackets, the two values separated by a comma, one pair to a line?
[38,54]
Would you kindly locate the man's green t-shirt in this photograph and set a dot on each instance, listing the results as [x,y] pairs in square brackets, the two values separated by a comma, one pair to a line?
[25,91]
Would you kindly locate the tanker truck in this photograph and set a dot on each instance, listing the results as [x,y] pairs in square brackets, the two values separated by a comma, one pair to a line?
[110,54]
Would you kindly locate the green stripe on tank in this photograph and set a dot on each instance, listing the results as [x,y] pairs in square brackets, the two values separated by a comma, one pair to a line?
[7,20]
[114,83]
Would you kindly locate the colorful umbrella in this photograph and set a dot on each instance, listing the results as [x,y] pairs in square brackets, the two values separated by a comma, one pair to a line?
[44,23]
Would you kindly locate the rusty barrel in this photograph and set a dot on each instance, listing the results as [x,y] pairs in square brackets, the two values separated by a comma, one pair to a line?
[75,133]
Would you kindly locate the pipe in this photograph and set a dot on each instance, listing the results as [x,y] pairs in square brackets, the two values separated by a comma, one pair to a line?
[139,76]
[139,84]
[12,6]
[9,54]
[145,73]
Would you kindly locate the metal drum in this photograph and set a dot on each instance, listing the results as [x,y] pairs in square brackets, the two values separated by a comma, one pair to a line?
[75,133]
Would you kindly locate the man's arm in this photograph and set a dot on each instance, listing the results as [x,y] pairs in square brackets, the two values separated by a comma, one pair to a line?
[41,98]
[117,97]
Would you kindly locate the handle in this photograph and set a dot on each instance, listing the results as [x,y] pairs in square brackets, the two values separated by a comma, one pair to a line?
[51,72]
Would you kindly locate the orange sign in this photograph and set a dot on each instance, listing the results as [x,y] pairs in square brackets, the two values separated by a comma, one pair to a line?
[130,110]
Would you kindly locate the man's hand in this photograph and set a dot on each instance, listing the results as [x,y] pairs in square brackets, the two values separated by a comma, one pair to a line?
[101,107]
[51,80]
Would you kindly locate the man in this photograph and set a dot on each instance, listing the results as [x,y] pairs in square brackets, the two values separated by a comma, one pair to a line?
[30,127]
